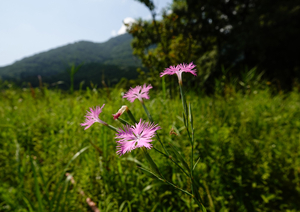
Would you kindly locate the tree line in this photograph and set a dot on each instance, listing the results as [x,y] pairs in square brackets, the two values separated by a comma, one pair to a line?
[222,34]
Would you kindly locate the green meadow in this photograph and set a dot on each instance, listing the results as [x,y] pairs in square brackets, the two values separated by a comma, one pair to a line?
[247,142]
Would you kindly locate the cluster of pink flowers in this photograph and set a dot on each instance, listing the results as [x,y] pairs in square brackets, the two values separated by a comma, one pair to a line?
[131,137]
[142,133]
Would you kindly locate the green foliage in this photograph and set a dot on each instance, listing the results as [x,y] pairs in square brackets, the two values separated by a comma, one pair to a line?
[247,143]
[116,53]
[72,71]
[216,33]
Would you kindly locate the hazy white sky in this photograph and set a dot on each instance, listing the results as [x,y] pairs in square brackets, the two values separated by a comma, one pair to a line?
[28,27]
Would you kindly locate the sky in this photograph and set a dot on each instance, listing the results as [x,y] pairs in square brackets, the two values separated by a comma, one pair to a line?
[28,27]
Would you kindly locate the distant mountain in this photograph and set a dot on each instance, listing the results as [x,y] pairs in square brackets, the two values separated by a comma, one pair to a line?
[113,58]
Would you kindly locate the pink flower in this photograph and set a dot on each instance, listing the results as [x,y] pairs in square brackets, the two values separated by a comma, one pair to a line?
[179,69]
[92,117]
[138,92]
[132,137]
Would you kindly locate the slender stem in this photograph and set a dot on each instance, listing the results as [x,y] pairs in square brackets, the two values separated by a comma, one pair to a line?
[112,128]
[186,114]
[158,138]
[183,102]
[188,193]
[189,135]
[124,121]
[131,116]
[147,112]
[171,158]
[152,163]
[166,181]
[151,120]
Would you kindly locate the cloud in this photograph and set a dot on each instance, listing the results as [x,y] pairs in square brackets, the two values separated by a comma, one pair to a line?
[123,28]
[113,33]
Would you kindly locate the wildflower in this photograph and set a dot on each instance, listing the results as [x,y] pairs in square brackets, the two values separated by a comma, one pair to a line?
[120,112]
[138,92]
[92,117]
[179,69]
[132,137]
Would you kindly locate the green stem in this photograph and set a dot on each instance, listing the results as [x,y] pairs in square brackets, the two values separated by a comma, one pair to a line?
[166,181]
[151,120]
[112,128]
[147,112]
[124,121]
[183,102]
[171,158]
[186,114]
[152,163]
[131,116]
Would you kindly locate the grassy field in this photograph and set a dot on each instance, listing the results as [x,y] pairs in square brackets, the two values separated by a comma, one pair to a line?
[248,144]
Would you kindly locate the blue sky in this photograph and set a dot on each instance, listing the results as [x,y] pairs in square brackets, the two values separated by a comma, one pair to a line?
[28,27]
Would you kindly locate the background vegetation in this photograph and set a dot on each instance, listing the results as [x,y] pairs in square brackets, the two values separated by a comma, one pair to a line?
[233,34]
[245,101]
[247,141]
[113,59]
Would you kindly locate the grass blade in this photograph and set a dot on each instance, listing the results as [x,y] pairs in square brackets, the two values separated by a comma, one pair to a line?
[175,150]
[36,187]
[196,163]
[63,174]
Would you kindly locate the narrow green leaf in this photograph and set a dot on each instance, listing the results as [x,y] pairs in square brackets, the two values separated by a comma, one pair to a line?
[203,209]
[166,181]
[37,187]
[65,199]
[28,204]
[171,158]
[184,119]
[195,191]
[150,172]
[175,150]
[123,204]
[65,185]
[63,174]
[151,162]
[134,160]
[43,181]
[196,163]
[120,170]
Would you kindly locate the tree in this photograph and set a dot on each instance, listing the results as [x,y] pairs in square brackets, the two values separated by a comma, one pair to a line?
[229,33]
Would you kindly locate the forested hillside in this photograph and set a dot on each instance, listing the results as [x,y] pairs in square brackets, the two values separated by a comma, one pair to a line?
[112,58]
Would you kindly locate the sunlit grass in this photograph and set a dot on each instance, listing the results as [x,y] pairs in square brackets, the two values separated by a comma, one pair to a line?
[248,146]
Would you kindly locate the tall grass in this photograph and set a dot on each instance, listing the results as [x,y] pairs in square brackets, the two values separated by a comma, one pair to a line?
[247,144]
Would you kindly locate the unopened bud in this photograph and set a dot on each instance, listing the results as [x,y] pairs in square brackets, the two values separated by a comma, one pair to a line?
[120,112]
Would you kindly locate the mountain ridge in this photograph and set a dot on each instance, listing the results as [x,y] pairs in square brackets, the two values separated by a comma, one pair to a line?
[116,52]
